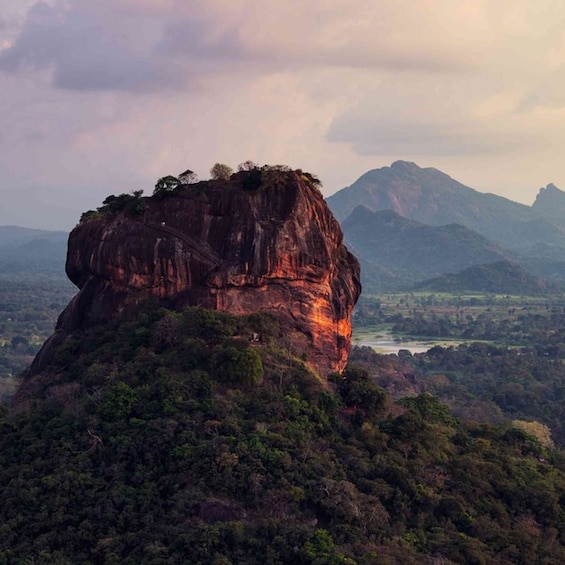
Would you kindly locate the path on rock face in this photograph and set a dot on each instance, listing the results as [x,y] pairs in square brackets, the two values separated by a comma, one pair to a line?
[201,248]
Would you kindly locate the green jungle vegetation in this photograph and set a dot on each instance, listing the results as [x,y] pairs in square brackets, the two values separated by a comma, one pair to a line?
[512,320]
[516,370]
[174,439]
[252,176]
[29,307]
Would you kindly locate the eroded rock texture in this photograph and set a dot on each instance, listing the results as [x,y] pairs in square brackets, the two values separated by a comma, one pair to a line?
[215,244]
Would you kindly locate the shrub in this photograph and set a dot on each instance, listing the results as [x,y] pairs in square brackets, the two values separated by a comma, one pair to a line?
[221,172]
[165,185]
[118,401]
[89,215]
[132,204]
[247,166]
[275,176]
[358,391]
[188,177]
[237,366]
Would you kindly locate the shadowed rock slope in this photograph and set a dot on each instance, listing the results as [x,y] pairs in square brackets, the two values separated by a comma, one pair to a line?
[274,248]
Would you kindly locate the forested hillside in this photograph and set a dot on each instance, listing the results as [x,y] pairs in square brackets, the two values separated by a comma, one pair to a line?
[499,277]
[411,251]
[176,439]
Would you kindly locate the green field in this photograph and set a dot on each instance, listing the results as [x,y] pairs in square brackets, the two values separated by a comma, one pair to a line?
[450,319]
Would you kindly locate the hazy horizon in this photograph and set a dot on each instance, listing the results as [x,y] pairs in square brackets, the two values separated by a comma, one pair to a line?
[146,193]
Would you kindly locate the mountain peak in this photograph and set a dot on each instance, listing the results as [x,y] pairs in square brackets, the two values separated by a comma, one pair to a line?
[550,203]
[429,196]
[550,189]
[403,187]
[405,165]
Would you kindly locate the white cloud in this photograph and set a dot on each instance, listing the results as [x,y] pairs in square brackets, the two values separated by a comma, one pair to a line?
[126,47]
[84,49]
[106,96]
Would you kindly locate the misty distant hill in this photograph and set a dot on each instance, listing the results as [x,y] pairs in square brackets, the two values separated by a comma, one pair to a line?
[395,252]
[25,250]
[502,277]
[13,236]
[431,197]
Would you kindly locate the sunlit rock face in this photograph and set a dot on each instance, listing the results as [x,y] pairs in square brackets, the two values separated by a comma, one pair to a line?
[216,244]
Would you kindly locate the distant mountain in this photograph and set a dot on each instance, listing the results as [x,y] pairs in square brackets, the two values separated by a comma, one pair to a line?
[502,277]
[13,236]
[395,252]
[550,203]
[25,250]
[432,197]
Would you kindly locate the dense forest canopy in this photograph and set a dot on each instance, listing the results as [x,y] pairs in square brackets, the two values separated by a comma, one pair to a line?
[177,439]
[195,436]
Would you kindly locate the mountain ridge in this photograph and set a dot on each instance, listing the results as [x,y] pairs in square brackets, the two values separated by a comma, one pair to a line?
[408,251]
[501,277]
[432,197]
[12,236]
[27,250]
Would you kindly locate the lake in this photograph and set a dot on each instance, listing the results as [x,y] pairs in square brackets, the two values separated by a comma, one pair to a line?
[382,341]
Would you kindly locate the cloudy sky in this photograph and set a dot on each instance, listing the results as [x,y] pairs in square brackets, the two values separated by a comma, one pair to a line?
[105,96]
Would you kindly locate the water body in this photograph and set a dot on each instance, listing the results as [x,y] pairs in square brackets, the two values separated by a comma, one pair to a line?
[384,342]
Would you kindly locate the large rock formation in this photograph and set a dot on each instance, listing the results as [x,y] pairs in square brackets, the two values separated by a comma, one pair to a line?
[217,244]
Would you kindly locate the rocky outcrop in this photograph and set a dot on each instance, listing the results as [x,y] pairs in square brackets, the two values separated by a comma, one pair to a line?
[550,204]
[217,244]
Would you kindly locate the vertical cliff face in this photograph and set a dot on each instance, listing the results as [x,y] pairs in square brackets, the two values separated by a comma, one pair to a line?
[276,248]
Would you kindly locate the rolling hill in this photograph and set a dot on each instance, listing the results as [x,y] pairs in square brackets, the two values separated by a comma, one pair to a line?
[500,277]
[26,250]
[396,252]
